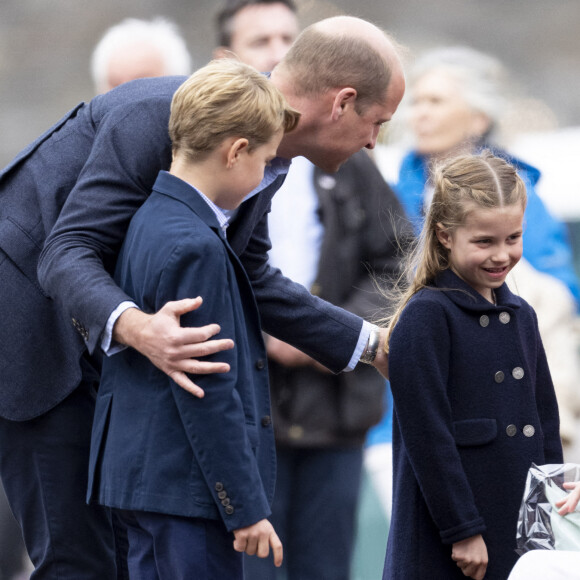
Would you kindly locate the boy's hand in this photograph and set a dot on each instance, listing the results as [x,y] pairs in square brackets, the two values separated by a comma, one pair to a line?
[257,539]
[471,556]
[569,503]
[170,347]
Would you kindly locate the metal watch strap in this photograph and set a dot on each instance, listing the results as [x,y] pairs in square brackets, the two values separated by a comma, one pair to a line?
[370,352]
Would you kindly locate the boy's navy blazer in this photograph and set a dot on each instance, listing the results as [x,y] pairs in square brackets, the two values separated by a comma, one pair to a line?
[91,171]
[156,447]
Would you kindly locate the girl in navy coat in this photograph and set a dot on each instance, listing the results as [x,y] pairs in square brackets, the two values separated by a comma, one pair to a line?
[474,401]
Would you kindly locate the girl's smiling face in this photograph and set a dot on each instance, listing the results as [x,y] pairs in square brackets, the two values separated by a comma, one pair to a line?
[486,247]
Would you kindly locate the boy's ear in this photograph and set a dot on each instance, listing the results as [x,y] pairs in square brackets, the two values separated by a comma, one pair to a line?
[443,235]
[344,98]
[236,148]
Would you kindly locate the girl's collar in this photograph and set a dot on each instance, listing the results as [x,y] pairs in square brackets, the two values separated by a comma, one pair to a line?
[465,296]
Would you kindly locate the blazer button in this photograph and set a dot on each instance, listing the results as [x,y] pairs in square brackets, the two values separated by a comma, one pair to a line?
[518,373]
[260,364]
[266,421]
[504,317]
[229,510]
[484,320]
[499,377]
[219,486]
[529,430]
[511,430]
[226,501]
[222,494]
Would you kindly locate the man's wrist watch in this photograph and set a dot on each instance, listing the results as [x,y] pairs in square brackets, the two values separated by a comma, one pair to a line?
[370,351]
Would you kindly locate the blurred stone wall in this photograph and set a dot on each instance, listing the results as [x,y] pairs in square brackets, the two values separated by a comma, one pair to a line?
[45,47]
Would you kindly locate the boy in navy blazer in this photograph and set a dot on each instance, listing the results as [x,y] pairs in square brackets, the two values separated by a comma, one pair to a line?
[186,472]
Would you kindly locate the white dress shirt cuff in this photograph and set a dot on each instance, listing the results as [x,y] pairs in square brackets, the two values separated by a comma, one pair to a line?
[361,344]
[108,345]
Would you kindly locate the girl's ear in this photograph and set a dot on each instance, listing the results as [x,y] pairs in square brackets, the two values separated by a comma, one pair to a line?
[443,235]
[235,150]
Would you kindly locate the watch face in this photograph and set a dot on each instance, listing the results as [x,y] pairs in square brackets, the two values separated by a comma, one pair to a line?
[370,352]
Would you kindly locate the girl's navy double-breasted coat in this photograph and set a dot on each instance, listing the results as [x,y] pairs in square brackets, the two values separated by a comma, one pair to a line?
[474,407]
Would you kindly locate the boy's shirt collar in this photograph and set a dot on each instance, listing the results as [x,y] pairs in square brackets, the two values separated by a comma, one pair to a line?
[278,166]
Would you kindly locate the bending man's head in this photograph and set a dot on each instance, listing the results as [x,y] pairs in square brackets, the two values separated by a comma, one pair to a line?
[345,76]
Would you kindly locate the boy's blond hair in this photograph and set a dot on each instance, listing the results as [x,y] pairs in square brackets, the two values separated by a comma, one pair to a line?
[226,98]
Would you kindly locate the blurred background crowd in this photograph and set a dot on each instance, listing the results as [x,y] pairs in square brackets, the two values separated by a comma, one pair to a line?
[513,84]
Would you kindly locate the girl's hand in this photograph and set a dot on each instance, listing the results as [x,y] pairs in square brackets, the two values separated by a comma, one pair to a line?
[471,556]
[568,504]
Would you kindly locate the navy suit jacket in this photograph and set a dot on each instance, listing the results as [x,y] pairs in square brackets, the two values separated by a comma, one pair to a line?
[102,159]
[156,447]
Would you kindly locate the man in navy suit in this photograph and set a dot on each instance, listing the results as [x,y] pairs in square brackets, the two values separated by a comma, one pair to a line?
[92,170]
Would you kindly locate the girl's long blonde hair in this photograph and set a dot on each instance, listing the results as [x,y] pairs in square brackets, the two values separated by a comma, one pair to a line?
[461,185]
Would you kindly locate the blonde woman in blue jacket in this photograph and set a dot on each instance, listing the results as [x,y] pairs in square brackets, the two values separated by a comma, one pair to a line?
[474,401]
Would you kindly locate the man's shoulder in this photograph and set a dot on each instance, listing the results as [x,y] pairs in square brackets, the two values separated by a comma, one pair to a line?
[139,92]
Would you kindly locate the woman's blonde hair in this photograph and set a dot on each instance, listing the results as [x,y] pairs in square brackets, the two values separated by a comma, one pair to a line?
[461,185]
[223,99]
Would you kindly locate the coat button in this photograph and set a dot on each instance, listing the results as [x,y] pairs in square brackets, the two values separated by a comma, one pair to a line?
[518,373]
[226,501]
[219,486]
[484,320]
[511,430]
[229,510]
[529,430]
[266,421]
[504,317]
[222,494]
[260,364]
[499,376]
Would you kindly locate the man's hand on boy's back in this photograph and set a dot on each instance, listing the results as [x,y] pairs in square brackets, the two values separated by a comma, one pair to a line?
[170,347]
[257,539]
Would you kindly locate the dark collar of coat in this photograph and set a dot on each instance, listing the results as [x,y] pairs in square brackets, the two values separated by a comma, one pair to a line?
[466,297]
[172,186]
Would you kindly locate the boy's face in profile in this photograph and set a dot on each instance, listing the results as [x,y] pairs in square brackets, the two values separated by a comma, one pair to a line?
[248,170]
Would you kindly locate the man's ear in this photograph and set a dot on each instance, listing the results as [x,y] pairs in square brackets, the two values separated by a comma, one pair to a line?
[236,148]
[443,235]
[343,99]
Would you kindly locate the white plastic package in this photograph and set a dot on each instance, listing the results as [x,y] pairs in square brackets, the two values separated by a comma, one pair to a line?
[540,527]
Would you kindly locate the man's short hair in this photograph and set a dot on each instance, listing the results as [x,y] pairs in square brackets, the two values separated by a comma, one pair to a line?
[318,61]
[223,99]
[225,17]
